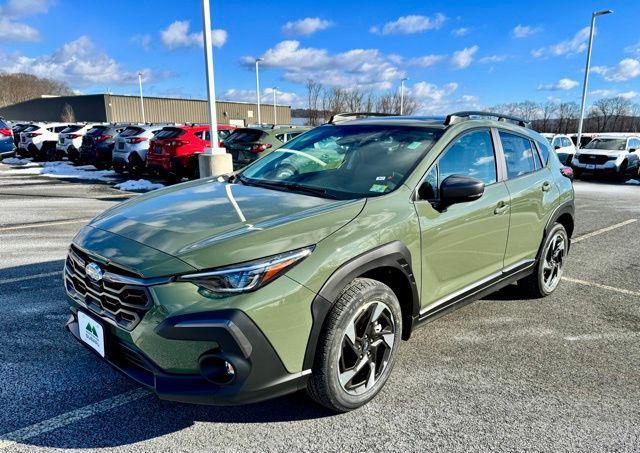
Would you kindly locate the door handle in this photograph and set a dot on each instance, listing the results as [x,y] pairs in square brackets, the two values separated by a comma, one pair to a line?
[501,208]
[546,186]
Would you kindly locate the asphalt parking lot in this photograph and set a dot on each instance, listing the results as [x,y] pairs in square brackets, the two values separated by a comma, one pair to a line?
[559,374]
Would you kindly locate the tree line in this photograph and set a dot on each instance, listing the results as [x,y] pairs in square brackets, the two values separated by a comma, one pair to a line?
[20,87]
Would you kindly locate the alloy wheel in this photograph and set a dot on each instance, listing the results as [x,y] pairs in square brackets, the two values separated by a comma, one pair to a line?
[366,347]
[553,262]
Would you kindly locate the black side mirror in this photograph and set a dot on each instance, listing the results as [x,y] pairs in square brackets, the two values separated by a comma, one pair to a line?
[557,147]
[633,150]
[460,189]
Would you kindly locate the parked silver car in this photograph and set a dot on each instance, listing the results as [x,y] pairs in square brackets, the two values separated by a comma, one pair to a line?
[131,147]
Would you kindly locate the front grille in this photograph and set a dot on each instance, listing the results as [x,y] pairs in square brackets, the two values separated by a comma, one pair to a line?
[596,159]
[112,297]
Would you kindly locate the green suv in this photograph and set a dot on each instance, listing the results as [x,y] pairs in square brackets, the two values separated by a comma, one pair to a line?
[306,269]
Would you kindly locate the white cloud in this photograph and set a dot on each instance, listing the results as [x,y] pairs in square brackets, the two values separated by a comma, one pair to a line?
[266,97]
[602,93]
[492,59]
[629,94]
[17,31]
[407,25]
[523,31]
[635,48]
[438,100]
[143,41]
[427,60]
[306,26]
[462,31]
[177,35]
[562,84]
[364,68]
[627,69]
[12,30]
[463,58]
[78,62]
[571,46]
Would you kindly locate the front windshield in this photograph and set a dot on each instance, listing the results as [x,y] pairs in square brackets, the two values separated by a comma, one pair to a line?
[618,144]
[345,161]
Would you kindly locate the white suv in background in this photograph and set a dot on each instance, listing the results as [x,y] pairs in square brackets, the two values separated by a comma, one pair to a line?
[131,146]
[609,154]
[565,149]
[39,140]
[70,139]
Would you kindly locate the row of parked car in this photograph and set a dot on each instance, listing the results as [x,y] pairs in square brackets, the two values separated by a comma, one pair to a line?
[167,150]
[607,154]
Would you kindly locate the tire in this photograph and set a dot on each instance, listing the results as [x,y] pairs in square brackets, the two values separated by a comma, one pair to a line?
[541,283]
[343,376]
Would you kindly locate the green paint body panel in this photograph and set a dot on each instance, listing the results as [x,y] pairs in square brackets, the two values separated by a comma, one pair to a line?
[206,224]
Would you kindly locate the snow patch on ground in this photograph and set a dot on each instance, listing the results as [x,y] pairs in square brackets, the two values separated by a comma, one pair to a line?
[16,161]
[140,185]
[633,182]
[62,170]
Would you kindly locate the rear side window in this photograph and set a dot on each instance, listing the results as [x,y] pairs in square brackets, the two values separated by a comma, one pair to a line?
[544,151]
[518,154]
[470,155]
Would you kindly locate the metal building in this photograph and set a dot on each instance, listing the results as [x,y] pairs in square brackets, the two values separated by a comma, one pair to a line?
[120,108]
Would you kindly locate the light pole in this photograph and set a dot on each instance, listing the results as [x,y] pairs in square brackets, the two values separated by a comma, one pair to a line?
[215,160]
[258,60]
[586,72]
[141,98]
[402,94]
[275,108]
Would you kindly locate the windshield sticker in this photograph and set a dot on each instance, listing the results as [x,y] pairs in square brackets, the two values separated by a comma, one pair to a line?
[380,188]
[414,145]
[381,178]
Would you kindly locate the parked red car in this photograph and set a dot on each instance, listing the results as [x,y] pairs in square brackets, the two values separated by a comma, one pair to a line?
[173,151]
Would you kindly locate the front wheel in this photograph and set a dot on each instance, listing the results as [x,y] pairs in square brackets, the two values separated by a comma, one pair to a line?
[358,346]
[550,266]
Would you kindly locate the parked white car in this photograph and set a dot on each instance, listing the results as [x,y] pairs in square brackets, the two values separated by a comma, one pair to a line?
[39,140]
[70,139]
[131,146]
[609,154]
[565,149]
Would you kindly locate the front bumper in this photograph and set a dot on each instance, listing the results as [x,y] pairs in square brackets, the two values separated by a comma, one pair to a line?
[608,168]
[232,337]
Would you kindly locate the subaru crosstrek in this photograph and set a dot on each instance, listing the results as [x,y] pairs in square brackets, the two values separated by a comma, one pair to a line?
[241,288]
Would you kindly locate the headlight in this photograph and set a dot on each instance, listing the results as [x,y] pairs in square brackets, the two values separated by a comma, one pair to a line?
[248,276]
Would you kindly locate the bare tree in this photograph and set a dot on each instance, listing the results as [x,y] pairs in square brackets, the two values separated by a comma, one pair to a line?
[313,92]
[16,88]
[67,115]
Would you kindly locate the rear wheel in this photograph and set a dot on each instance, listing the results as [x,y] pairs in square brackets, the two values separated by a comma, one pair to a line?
[550,266]
[358,346]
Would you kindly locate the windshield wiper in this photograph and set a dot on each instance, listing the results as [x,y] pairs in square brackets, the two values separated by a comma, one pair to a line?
[317,191]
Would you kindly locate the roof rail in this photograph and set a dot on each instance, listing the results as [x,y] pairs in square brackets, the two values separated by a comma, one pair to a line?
[342,117]
[463,116]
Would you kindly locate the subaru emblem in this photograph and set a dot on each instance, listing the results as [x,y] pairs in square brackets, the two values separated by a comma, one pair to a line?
[94,272]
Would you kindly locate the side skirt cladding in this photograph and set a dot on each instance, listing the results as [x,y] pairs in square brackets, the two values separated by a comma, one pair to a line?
[394,255]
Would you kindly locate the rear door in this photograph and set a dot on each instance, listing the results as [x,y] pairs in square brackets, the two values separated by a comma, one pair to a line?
[533,196]
[464,244]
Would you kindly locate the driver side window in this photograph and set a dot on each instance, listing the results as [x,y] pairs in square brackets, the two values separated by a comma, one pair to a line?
[470,155]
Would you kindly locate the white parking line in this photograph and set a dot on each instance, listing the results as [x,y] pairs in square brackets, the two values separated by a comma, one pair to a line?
[11,439]
[44,224]
[603,230]
[29,277]
[598,285]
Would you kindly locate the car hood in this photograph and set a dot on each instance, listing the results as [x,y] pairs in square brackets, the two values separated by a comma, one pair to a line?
[209,224]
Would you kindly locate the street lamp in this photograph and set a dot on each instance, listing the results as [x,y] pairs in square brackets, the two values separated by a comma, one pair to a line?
[215,160]
[402,94]
[258,60]
[275,108]
[141,98]
[586,72]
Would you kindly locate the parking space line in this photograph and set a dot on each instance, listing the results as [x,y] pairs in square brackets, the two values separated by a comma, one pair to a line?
[29,277]
[60,421]
[42,224]
[603,230]
[598,285]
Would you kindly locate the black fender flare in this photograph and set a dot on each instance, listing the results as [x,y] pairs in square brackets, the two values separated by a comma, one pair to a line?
[394,254]
[568,207]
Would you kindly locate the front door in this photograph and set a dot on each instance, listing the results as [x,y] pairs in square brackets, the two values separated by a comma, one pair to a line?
[464,244]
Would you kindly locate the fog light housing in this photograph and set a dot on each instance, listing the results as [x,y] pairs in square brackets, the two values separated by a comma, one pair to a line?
[217,370]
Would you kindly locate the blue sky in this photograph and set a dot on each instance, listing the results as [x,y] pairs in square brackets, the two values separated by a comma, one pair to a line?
[463,54]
